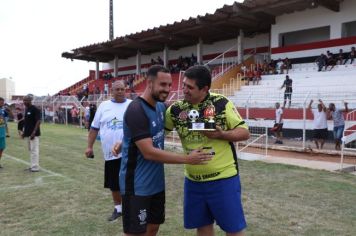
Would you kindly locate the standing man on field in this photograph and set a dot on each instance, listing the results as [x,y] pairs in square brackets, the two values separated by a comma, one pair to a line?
[2,128]
[32,132]
[142,173]
[212,193]
[109,120]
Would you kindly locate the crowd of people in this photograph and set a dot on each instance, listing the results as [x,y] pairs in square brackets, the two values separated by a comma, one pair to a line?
[331,60]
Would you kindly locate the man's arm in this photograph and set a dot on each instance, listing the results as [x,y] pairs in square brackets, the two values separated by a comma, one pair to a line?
[91,140]
[151,153]
[234,135]
[346,107]
[322,105]
[310,104]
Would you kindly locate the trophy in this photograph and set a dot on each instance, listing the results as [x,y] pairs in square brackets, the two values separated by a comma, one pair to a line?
[209,113]
[193,115]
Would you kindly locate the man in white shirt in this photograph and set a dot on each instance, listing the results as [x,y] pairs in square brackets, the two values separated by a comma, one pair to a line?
[278,125]
[109,120]
[320,124]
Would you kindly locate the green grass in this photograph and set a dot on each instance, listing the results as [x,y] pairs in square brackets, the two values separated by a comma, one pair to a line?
[278,199]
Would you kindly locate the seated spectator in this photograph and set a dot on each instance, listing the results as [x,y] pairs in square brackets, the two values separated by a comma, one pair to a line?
[330,60]
[159,60]
[287,64]
[265,67]
[256,76]
[250,76]
[272,67]
[279,66]
[340,57]
[243,70]
[193,59]
[153,62]
[351,56]
[321,61]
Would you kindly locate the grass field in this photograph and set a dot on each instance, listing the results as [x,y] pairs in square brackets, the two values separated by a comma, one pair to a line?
[67,197]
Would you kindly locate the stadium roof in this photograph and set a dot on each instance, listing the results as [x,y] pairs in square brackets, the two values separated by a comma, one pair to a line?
[252,16]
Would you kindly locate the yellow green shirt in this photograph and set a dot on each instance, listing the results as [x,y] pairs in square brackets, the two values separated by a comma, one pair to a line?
[224,162]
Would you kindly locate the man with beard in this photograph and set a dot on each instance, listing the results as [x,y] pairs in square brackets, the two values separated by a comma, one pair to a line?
[212,193]
[142,182]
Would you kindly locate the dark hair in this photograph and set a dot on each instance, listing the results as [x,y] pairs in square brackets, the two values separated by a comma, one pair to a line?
[201,75]
[2,99]
[153,71]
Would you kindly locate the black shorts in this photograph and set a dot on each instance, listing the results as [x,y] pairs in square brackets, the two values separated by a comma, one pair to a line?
[288,96]
[111,178]
[138,211]
[321,133]
[277,127]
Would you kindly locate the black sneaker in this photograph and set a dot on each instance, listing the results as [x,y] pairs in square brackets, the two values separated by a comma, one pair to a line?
[114,215]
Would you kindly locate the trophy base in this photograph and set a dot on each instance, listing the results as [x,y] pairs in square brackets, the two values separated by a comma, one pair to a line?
[210,125]
[201,129]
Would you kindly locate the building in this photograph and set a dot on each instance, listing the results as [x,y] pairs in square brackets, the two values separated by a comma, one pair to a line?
[7,88]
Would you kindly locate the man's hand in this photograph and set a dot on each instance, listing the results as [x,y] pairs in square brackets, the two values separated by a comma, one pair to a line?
[89,152]
[217,134]
[116,149]
[198,157]
[32,136]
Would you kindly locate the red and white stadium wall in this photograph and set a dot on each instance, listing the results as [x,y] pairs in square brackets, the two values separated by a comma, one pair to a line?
[313,19]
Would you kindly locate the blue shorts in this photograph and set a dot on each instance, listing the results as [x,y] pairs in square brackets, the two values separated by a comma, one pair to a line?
[2,143]
[339,132]
[218,200]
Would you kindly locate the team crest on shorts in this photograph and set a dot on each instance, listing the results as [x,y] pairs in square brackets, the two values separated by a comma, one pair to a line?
[142,216]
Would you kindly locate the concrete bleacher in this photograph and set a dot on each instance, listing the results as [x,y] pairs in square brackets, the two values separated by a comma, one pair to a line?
[330,86]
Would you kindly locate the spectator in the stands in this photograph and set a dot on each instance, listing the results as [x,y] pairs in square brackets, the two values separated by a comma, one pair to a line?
[243,70]
[193,60]
[339,123]
[340,57]
[272,67]
[330,61]
[130,81]
[153,62]
[106,88]
[280,66]
[287,84]
[351,56]
[287,64]
[320,124]
[256,76]
[249,76]
[159,60]
[321,61]
[97,90]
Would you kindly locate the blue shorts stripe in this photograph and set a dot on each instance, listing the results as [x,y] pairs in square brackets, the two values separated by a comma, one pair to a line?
[219,200]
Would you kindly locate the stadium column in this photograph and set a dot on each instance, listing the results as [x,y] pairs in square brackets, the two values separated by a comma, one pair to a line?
[165,55]
[138,62]
[240,51]
[116,66]
[200,51]
[97,70]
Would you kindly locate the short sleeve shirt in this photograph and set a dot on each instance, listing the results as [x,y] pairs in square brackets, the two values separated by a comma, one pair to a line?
[279,113]
[320,121]
[139,176]
[32,115]
[338,118]
[224,162]
[109,120]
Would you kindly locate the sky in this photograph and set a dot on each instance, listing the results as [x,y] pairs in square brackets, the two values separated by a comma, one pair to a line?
[34,34]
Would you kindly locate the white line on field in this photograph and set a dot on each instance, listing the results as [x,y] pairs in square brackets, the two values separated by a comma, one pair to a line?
[43,169]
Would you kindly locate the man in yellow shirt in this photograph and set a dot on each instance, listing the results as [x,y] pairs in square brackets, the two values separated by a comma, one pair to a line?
[212,192]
